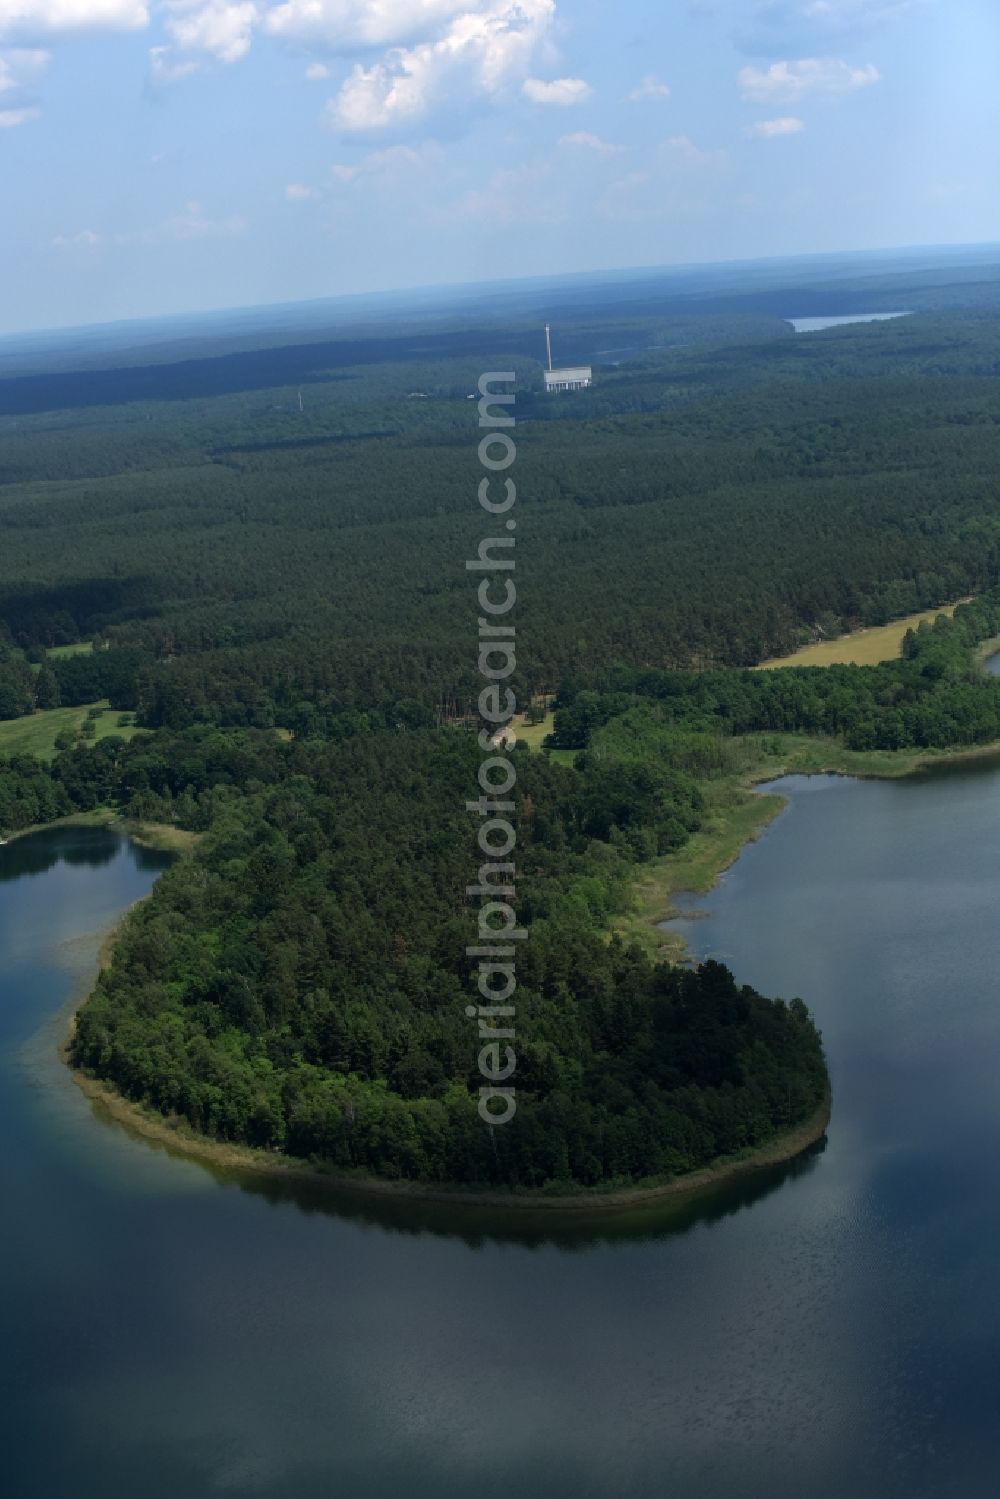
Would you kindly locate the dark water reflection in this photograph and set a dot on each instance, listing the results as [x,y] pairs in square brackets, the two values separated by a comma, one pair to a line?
[830,1330]
[530,1229]
[92,847]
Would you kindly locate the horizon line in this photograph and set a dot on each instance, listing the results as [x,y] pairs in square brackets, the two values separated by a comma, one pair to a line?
[344,299]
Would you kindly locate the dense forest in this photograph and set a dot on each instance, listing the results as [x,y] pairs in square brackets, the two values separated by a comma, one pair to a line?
[735,495]
[300,983]
[275,588]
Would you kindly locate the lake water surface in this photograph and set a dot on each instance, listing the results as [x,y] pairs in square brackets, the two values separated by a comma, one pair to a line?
[830,1330]
[817,324]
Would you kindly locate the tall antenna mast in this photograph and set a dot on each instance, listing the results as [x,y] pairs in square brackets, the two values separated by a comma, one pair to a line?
[548,344]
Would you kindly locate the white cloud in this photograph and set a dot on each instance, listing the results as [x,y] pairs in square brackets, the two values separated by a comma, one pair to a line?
[394,157]
[221,29]
[11,118]
[410,57]
[44,18]
[682,149]
[298,192]
[191,224]
[375,97]
[84,239]
[559,91]
[203,31]
[770,129]
[19,64]
[816,77]
[168,65]
[588,142]
[476,55]
[349,26]
[649,87]
[19,67]
[392,160]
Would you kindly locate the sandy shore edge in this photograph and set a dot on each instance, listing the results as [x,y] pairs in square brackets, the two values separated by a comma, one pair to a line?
[178,1138]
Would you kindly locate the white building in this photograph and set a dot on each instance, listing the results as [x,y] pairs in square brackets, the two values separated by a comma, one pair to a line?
[572,379]
[577,378]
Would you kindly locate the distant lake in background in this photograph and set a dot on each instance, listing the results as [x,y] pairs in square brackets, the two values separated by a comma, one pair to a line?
[816,324]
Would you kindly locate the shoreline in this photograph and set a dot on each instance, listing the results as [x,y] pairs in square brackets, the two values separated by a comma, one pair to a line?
[100,818]
[744,814]
[177,1137]
[155,835]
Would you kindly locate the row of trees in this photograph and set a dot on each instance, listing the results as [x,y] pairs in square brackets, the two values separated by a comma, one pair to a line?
[27,685]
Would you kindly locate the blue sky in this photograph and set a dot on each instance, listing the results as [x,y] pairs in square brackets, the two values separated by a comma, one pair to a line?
[174,155]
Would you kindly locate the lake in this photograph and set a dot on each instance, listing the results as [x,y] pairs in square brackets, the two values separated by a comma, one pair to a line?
[828,1329]
[817,324]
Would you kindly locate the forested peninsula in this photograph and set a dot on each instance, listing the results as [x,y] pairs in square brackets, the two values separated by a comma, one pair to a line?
[277,991]
[268,604]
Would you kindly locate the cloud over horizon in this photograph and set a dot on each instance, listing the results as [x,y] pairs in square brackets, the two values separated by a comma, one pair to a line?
[772,129]
[47,18]
[405,58]
[806,77]
[558,91]
[311,130]
[476,56]
[585,140]
[649,87]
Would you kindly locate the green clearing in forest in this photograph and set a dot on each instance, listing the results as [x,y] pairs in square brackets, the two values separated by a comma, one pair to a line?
[37,733]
